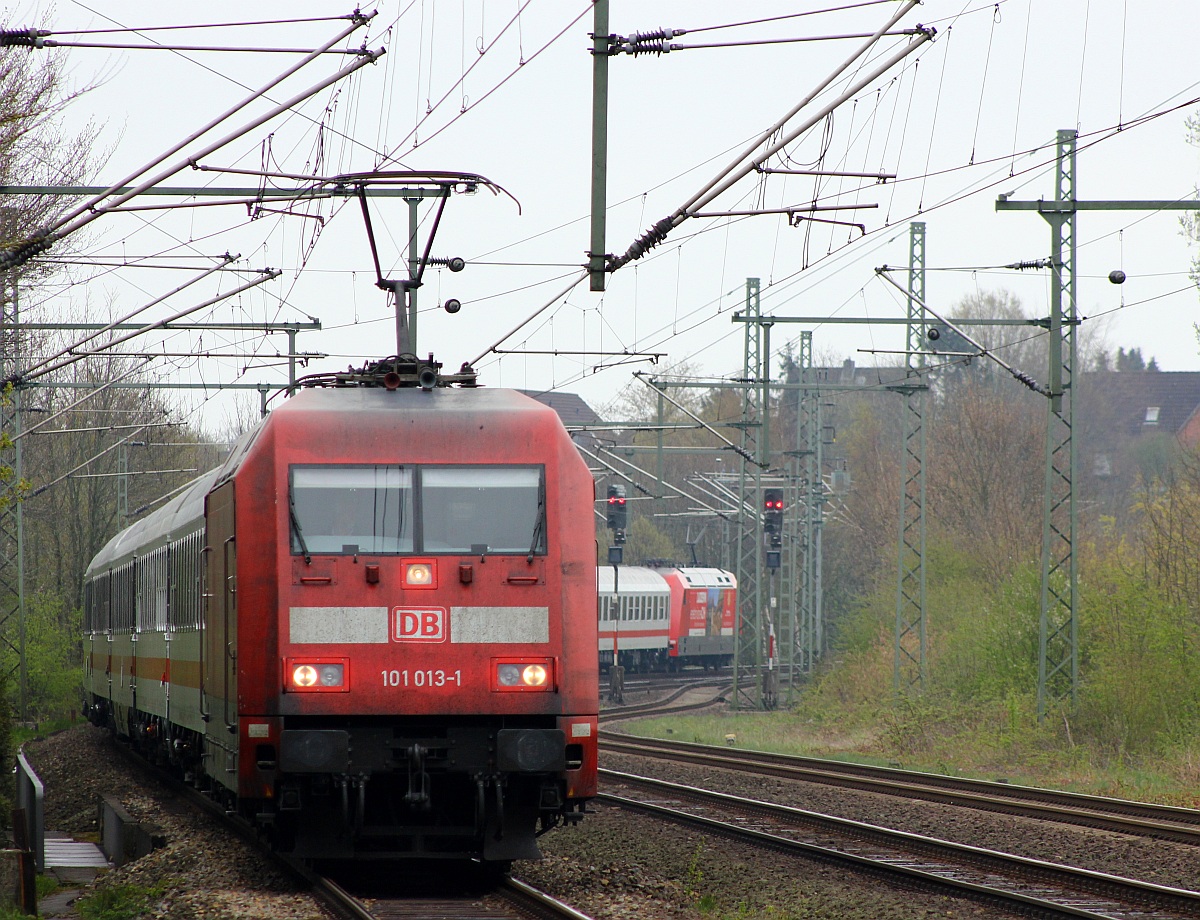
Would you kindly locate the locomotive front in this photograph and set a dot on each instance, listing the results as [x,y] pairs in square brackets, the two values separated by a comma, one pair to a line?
[403,622]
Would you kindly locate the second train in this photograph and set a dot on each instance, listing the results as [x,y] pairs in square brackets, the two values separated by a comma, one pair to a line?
[666,618]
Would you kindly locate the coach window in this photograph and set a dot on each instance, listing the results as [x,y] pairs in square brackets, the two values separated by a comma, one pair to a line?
[351,509]
[476,509]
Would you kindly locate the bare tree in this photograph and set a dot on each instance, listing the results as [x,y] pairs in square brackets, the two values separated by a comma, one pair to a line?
[76,471]
[35,147]
[986,471]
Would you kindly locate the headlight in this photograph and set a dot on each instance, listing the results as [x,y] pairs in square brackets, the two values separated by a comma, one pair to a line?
[315,675]
[331,675]
[419,575]
[533,675]
[524,675]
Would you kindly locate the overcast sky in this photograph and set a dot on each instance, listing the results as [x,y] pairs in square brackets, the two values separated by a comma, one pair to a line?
[503,89]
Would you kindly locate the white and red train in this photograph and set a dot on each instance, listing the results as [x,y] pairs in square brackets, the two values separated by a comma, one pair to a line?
[372,632]
[666,618]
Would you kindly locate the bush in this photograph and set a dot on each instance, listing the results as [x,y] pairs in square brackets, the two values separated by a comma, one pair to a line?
[1141,664]
[53,666]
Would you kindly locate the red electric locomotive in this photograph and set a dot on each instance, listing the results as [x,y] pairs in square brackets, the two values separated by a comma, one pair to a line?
[703,615]
[372,631]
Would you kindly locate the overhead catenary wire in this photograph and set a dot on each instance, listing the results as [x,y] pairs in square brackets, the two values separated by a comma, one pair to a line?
[1088,139]
[606,462]
[268,274]
[749,159]
[615,320]
[571,285]
[745,455]
[193,26]
[984,351]
[84,214]
[227,259]
[136,369]
[48,485]
[524,61]
[986,61]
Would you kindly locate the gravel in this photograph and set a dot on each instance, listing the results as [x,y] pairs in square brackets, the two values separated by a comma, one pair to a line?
[1162,862]
[204,872]
[624,866]
[615,866]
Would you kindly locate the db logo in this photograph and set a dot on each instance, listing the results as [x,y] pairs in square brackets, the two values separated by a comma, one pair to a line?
[418,624]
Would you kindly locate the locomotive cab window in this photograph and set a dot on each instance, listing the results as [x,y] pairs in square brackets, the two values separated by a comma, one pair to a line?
[351,509]
[348,510]
[473,509]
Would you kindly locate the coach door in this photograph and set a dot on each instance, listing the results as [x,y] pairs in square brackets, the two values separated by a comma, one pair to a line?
[219,646]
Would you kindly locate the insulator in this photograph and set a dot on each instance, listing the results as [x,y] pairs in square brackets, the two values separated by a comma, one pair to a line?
[22,38]
[1028,381]
[647,48]
[651,237]
[657,35]
[1029,264]
[21,254]
[646,241]
[650,42]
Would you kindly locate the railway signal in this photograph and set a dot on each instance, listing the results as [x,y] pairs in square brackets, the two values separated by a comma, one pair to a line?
[616,511]
[773,511]
[616,523]
[773,525]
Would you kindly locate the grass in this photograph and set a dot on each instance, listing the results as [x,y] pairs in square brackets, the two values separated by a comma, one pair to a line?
[46,886]
[119,902]
[23,733]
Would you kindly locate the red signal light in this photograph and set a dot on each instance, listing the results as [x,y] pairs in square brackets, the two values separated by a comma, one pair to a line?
[616,509]
[773,510]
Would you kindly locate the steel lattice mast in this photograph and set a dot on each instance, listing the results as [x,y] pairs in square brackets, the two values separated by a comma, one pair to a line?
[811,455]
[1058,635]
[747,655]
[1058,646]
[909,666]
[12,522]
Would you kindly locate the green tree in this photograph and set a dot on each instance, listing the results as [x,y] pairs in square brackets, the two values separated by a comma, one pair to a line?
[11,489]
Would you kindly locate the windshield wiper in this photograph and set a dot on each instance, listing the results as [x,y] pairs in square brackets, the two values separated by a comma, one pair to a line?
[299,533]
[541,522]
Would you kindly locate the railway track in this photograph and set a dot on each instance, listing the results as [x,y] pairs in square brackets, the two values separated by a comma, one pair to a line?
[1162,822]
[1026,886]
[404,893]
[509,899]
[719,687]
